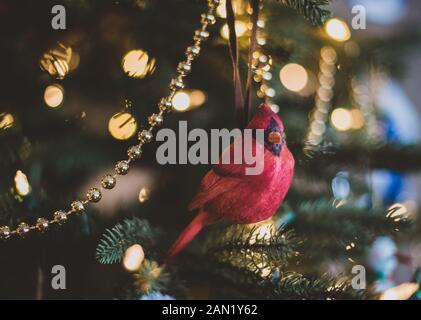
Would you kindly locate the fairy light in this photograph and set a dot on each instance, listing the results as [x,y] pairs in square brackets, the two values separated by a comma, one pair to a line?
[341,119]
[397,212]
[265,271]
[237,5]
[122,126]
[133,258]
[262,65]
[350,246]
[362,100]
[56,61]
[54,95]
[357,119]
[137,64]
[144,195]
[6,120]
[294,77]
[338,30]
[323,99]
[187,100]
[240,29]
[401,292]
[74,61]
[275,108]
[221,10]
[197,98]
[181,101]
[21,183]
[263,231]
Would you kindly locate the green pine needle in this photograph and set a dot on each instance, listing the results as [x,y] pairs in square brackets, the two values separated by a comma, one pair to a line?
[313,10]
[116,240]
[261,249]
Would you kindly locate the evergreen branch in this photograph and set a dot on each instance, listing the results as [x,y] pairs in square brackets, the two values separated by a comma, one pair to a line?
[151,278]
[346,222]
[233,282]
[116,240]
[262,249]
[291,285]
[313,10]
[391,156]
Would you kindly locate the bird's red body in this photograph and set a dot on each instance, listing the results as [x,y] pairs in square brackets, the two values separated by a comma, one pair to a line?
[227,192]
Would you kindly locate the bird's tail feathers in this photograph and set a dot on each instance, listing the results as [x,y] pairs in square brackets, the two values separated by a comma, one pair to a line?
[198,223]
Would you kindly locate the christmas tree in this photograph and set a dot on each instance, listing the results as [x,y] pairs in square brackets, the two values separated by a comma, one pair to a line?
[88,84]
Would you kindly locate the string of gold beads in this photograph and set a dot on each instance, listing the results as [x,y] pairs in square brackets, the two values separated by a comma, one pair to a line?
[134,152]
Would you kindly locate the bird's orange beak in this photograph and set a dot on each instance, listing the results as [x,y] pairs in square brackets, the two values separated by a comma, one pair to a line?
[275,137]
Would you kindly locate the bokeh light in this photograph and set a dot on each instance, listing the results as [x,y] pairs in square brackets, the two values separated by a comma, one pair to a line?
[6,120]
[294,77]
[56,61]
[137,64]
[401,292]
[341,119]
[357,119]
[240,29]
[181,101]
[54,95]
[74,61]
[397,212]
[338,30]
[197,98]
[144,195]
[328,54]
[133,257]
[274,107]
[340,185]
[263,231]
[21,183]
[188,99]
[221,10]
[237,5]
[122,126]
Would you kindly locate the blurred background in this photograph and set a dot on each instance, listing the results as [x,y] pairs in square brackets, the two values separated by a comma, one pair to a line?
[72,101]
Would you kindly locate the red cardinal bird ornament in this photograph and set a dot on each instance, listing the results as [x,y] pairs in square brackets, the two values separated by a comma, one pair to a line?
[227,192]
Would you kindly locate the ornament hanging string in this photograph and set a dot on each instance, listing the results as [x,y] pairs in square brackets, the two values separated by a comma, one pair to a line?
[253,44]
[233,45]
[242,106]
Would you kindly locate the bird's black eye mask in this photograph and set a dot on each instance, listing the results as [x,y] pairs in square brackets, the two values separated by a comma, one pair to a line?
[274,137]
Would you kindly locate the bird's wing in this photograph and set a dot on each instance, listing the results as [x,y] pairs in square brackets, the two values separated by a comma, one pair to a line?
[212,185]
[221,178]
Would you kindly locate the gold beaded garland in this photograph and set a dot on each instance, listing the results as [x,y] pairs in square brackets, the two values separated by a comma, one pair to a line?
[193,52]
[42,224]
[145,136]
[134,152]
[208,18]
[77,207]
[165,105]
[94,195]
[177,83]
[155,120]
[60,217]
[23,229]
[184,67]
[122,167]
[108,181]
[200,35]
[4,232]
